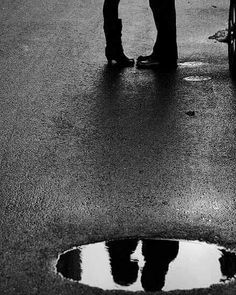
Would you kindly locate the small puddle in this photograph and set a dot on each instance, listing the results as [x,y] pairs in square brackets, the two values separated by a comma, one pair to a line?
[192,64]
[148,265]
[197,78]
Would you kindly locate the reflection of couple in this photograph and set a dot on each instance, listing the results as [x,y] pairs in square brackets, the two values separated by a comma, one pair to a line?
[157,256]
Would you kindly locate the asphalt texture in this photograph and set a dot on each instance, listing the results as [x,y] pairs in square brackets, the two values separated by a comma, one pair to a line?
[91,153]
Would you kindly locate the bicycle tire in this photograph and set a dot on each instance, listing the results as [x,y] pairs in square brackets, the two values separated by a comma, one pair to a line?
[232,38]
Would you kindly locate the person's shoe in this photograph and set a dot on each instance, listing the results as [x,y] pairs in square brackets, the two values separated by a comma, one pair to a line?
[118,58]
[114,51]
[146,57]
[152,62]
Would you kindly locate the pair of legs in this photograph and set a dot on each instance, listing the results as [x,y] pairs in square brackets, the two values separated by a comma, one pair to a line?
[113,32]
[165,47]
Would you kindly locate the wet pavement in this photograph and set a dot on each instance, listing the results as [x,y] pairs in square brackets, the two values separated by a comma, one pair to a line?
[91,154]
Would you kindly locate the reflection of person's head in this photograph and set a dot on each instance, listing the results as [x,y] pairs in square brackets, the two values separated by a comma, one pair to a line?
[157,254]
[124,271]
[69,265]
[228,264]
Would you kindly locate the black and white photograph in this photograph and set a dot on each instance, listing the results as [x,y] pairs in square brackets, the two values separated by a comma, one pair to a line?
[118,147]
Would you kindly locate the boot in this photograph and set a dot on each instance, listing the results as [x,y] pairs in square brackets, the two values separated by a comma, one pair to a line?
[114,50]
[153,61]
[164,55]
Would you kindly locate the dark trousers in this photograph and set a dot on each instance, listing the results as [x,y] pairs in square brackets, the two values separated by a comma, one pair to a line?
[110,11]
[165,19]
[164,15]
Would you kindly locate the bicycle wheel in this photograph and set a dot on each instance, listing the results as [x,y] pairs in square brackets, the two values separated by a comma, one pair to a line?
[232,38]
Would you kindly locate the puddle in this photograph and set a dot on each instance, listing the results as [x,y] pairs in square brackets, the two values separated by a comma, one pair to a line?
[197,78]
[148,265]
[192,64]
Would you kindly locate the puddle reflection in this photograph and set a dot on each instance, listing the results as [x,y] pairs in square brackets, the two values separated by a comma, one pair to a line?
[148,265]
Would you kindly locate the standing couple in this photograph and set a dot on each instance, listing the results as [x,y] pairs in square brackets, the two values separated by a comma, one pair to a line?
[164,52]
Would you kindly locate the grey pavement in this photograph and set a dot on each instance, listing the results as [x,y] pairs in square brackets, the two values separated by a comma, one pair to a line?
[90,153]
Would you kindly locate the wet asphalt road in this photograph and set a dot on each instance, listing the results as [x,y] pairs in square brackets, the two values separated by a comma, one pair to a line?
[91,154]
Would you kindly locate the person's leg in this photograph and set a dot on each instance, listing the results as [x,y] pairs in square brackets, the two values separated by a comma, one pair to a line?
[165,48]
[165,19]
[112,29]
[110,11]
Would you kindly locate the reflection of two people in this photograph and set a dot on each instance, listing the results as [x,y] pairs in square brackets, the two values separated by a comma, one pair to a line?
[157,256]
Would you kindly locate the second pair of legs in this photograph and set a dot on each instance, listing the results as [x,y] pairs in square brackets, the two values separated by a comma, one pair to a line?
[165,48]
